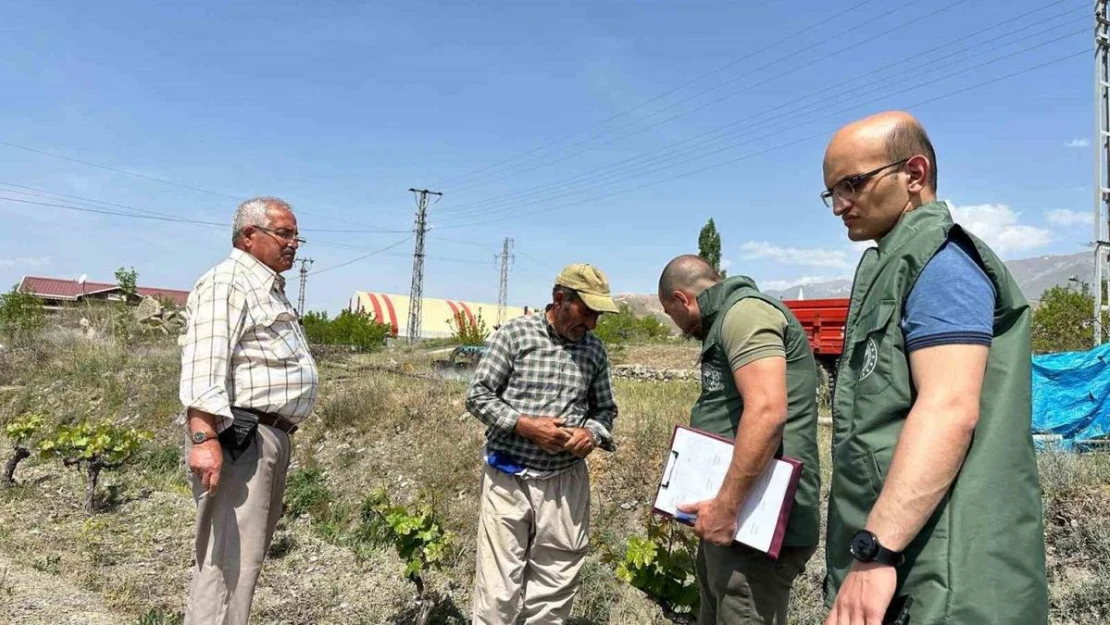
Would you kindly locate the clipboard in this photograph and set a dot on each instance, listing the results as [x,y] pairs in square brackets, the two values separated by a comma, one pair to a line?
[695,468]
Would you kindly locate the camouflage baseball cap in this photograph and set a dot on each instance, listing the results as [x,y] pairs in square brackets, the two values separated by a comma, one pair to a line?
[590,284]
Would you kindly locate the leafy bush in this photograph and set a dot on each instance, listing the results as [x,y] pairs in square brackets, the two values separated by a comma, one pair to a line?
[358,329]
[1064,320]
[626,326]
[20,432]
[466,331]
[306,492]
[417,536]
[21,314]
[662,564]
[98,447]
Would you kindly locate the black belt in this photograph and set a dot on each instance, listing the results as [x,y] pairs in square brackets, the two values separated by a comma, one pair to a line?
[271,419]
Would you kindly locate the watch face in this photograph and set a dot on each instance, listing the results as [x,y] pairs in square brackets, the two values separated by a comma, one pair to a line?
[864,547]
[199,437]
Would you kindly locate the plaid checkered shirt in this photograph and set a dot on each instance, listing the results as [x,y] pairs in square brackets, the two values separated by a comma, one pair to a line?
[530,370]
[243,345]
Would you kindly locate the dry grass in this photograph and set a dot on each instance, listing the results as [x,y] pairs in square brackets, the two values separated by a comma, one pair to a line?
[671,355]
[377,428]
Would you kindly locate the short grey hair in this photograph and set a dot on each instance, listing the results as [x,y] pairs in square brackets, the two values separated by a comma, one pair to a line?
[253,213]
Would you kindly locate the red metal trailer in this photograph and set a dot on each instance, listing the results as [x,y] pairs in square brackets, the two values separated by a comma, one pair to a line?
[824,321]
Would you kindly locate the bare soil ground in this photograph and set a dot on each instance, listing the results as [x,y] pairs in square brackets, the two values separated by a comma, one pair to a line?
[377,426]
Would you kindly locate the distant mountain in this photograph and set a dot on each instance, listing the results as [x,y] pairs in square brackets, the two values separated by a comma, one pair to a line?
[1037,275]
[816,290]
[1033,275]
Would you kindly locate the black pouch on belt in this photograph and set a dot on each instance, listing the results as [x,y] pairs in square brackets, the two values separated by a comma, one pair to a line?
[237,437]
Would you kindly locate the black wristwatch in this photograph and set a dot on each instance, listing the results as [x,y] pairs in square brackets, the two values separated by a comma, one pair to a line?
[199,437]
[865,547]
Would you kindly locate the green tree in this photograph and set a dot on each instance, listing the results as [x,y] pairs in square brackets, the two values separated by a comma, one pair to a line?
[709,246]
[626,327]
[1064,320]
[21,314]
[128,281]
[466,331]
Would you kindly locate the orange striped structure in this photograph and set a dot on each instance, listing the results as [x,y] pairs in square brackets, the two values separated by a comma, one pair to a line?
[436,314]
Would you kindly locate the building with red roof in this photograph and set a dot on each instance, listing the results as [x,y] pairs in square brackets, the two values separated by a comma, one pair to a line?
[61,291]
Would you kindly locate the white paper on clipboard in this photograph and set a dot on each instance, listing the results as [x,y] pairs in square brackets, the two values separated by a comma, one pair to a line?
[696,467]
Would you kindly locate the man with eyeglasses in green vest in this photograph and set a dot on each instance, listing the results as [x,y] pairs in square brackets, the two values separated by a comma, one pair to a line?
[935,504]
[759,387]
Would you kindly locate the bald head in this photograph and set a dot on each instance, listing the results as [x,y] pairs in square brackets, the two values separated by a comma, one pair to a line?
[891,136]
[687,273]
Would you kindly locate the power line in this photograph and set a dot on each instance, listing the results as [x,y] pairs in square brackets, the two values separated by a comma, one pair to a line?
[118,170]
[179,185]
[514,207]
[116,213]
[770,149]
[666,93]
[363,257]
[778,75]
[667,152]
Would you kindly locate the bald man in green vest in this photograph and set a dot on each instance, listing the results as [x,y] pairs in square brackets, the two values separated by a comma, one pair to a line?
[759,387]
[935,504]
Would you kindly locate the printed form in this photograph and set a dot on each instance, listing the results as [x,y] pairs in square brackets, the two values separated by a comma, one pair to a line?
[696,467]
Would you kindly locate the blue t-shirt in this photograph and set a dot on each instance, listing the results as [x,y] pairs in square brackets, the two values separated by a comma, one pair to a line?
[952,302]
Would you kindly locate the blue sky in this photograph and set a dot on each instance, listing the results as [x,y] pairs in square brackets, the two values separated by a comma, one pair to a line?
[600,131]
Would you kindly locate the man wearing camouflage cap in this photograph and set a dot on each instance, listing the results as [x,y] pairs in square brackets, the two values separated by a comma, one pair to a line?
[544,393]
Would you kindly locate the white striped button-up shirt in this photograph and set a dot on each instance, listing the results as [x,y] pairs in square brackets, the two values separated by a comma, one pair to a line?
[243,345]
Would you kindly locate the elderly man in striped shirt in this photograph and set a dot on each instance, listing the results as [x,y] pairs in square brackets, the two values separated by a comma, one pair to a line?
[544,393]
[247,380]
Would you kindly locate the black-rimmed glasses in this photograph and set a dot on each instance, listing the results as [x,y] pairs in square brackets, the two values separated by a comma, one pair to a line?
[846,188]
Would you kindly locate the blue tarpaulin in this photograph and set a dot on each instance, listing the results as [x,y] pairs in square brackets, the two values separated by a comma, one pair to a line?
[1070,398]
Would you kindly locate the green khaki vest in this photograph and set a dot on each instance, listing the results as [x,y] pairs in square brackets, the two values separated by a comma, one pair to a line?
[980,559]
[720,405]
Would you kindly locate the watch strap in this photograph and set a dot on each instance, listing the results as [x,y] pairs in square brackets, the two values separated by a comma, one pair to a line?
[888,557]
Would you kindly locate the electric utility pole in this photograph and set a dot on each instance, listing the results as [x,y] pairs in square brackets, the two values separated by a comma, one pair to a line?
[305,263]
[1102,159]
[416,294]
[503,289]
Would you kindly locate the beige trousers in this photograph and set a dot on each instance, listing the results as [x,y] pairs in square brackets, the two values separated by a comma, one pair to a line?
[533,535]
[743,586]
[234,529]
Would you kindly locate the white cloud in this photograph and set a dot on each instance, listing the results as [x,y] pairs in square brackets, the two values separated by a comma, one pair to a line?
[1062,217]
[816,257]
[725,263]
[1078,143]
[25,261]
[998,225]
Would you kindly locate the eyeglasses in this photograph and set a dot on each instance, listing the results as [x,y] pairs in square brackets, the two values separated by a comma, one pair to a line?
[284,234]
[846,188]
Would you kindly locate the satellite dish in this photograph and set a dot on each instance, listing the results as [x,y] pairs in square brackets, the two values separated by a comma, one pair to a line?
[82,279]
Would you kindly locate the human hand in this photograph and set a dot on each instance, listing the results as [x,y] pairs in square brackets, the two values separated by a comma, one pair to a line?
[547,432]
[715,521]
[581,442]
[205,461]
[865,595]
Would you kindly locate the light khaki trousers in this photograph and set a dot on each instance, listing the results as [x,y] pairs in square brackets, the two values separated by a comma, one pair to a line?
[234,528]
[533,535]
